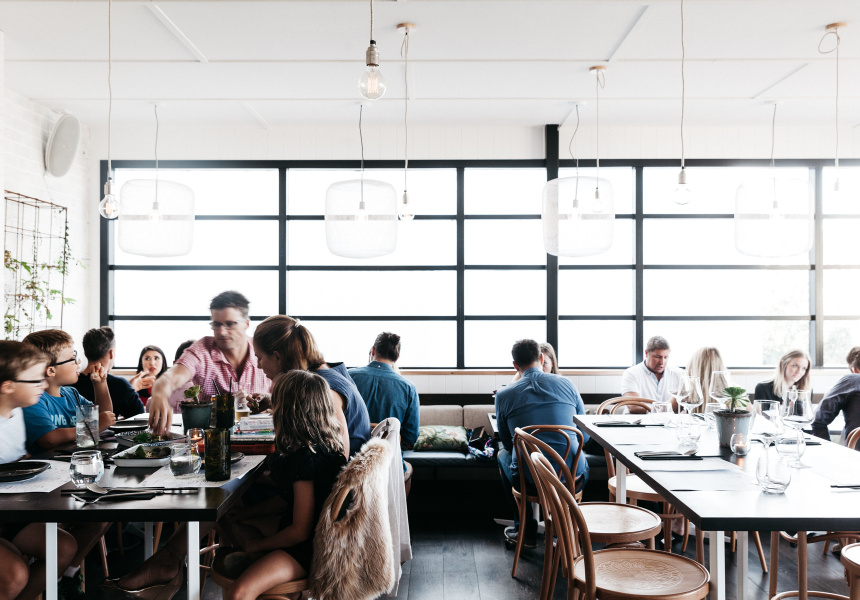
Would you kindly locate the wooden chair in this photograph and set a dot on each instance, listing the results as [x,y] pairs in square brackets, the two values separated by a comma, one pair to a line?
[521,496]
[851,562]
[851,443]
[610,523]
[613,573]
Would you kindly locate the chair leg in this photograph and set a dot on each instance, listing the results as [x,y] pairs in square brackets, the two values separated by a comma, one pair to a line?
[210,558]
[521,534]
[734,542]
[700,546]
[774,563]
[686,536]
[156,536]
[667,529]
[757,540]
[103,548]
[826,547]
[802,584]
[119,530]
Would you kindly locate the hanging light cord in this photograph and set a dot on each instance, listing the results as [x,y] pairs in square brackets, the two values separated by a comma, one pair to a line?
[834,32]
[404,52]
[155,204]
[600,82]
[371,20]
[683,83]
[772,135]
[361,141]
[572,138]
[110,89]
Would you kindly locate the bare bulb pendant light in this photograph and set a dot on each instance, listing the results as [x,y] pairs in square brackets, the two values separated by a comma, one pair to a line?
[405,210]
[833,30]
[361,214]
[576,220]
[157,219]
[109,205]
[371,85]
[682,194]
[774,216]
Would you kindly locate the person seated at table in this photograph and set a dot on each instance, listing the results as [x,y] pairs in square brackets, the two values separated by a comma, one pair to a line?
[704,361]
[51,421]
[178,395]
[845,397]
[150,366]
[792,371]
[282,343]
[538,398]
[653,377]
[550,362]
[385,391]
[310,457]
[100,348]
[22,380]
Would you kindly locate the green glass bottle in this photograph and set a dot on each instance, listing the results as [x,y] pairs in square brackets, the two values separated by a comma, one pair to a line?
[217,464]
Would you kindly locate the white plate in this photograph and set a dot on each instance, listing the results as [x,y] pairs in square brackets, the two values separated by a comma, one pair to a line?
[122,460]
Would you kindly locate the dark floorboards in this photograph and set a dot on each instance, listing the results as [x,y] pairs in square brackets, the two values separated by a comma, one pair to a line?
[459,554]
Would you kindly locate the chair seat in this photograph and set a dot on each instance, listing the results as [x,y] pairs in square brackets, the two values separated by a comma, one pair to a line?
[636,489]
[851,558]
[612,523]
[653,574]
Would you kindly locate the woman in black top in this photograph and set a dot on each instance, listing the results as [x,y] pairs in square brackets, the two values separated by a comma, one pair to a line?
[792,371]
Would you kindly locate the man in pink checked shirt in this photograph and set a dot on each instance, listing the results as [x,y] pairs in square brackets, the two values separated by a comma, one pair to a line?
[224,356]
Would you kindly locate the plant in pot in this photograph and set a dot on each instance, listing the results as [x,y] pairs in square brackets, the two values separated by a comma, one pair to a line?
[735,418]
[195,414]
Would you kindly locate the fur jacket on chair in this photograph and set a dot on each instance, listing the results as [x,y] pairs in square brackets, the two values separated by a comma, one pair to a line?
[353,556]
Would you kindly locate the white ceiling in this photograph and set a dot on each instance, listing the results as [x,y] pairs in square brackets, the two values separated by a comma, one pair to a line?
[520,62]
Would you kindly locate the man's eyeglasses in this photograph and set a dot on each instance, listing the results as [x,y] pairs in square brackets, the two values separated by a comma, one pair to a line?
[228,325]
[33,381]
[74,358]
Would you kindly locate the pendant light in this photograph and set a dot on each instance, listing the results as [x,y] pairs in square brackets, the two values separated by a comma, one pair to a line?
[361,214]
[405,210]
[109,206]
[372,83]
[682,194]
[577,221]
[774,216]
[157,219]
[833,30]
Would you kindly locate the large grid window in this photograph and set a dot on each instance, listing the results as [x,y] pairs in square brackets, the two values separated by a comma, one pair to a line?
[470,275]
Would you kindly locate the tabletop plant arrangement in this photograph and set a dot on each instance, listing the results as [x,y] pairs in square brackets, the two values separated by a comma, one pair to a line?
[735,418]
[195,413]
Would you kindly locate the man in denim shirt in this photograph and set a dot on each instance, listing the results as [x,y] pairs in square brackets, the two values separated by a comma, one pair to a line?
[845,397]
[537,398]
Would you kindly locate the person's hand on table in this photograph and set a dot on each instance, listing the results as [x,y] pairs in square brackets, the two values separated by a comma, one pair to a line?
[160,414]
[106,419]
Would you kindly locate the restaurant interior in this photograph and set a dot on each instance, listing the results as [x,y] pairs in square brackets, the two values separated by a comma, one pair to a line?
[466,174]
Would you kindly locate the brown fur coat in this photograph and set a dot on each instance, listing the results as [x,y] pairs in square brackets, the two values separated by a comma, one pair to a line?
[353,557]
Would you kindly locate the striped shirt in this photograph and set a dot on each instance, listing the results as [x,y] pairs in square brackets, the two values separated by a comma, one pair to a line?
[207,363]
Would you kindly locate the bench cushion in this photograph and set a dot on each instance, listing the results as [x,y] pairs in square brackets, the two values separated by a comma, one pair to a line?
[441,414]
[475,415]
[438,459]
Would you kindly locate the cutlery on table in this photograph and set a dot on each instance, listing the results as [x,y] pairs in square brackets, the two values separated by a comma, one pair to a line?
[846,486]
[145,495]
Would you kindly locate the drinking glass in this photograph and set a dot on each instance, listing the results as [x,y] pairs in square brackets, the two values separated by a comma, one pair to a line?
[797,413]
[710,407]
[791,447]
[688,431]
[720,380]
[772,471]
[768,422]
[242,408]
[217,464]
[661,412]
[225,406]
[87,426]
[86,467]
[184,460]
[690,390]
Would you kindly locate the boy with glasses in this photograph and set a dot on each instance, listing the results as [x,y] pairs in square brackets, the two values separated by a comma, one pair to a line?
[51,421]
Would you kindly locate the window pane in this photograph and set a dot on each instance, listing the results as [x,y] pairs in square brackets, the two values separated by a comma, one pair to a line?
[219,191]
[505,292]
[220,243]
[713,188]
[344,293]
[700,241]
[843,202]
[504,191]
[595,343]
[840,292]
[418,243]
[489,343]
[191,291]
[621,252]
[727,292]
[424,344]
[504,242]
[840,242]
[741,343]
[132,336]
[839,338]
[622,180]
[596,292]
[431,191]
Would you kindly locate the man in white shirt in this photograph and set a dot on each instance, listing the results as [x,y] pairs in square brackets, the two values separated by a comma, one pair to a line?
[652,378]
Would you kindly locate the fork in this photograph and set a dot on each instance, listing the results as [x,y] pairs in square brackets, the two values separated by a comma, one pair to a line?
[94,500]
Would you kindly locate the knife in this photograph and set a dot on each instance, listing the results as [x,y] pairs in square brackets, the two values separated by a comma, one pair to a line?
[669,457]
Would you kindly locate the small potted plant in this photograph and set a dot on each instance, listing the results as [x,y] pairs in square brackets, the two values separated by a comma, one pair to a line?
[195,414]
[735,418]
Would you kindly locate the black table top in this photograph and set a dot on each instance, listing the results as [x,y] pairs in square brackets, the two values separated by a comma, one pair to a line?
[38,507]
[809,503]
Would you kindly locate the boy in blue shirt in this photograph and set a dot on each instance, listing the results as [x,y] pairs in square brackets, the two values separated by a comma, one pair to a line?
[51,422]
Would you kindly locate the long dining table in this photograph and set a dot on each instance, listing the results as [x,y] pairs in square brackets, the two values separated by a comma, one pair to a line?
[719,493]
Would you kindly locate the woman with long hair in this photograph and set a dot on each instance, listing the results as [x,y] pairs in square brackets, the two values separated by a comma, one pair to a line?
[150,366]
[792,371]
[704,361]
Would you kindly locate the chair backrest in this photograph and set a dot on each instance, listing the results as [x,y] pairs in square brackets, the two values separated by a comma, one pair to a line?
[570,527]
[853,438]
[617,404]
[525,436]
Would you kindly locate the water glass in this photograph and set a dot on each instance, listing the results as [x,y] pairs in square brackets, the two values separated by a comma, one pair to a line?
[661,412]
[767,421]
[710,407]
[86,467]
[772,472]
[688,431]
[87,426]
[791,446]
[184,460]
[740,444]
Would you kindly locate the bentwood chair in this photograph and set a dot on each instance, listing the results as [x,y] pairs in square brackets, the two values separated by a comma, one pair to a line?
[613,573]
[851,562]
[522,495]
[612,524]
[851,443]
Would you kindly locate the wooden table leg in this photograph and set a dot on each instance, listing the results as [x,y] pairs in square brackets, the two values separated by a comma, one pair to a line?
[742,558]
[802,584]
[774,563]
[717,550]
[147,540]
[193,560]
[50,561]
[620,482]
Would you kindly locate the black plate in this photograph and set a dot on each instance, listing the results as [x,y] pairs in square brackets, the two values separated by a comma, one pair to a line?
[20,471]
[124,426]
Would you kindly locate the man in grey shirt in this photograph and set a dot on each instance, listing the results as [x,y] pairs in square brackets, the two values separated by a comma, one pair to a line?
[844,396]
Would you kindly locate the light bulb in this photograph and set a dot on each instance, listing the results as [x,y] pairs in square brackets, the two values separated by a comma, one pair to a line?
[682,194]
[574,214]
[361,213]
[372,83]
[155,214]
[406,213]
[109,206]
[597,203]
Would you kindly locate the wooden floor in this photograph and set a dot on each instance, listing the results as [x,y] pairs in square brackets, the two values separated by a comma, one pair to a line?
[459,553]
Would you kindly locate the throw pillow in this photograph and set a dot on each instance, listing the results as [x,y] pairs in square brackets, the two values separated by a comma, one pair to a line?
[442,438]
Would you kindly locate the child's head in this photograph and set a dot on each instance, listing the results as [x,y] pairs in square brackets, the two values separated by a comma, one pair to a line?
[22,373]
[303,413]
[59,346]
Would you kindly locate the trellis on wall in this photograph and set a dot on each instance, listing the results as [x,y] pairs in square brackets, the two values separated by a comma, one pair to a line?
[36,256]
